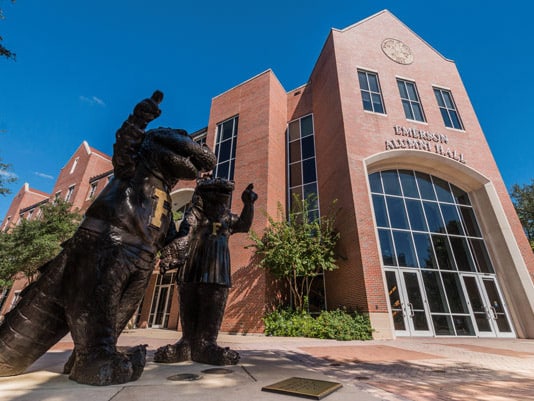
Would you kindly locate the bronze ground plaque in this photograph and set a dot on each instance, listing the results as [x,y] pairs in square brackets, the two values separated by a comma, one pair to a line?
[301,387]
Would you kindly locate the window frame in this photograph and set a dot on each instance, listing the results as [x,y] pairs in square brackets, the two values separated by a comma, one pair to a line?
[411,102]
[448,111]
[370,92]
[233,147]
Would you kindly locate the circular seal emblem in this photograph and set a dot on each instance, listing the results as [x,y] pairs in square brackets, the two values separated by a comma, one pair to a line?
[397,51]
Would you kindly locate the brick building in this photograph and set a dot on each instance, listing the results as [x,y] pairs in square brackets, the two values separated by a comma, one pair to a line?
[430,242]
[84,175]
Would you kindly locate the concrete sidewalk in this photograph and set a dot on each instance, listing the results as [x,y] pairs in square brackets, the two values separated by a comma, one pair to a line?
[413,369]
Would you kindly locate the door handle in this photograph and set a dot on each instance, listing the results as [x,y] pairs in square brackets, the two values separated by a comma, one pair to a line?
[494,314]
[412,313]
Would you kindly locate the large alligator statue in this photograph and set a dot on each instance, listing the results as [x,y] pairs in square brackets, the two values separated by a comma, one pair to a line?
[95,284]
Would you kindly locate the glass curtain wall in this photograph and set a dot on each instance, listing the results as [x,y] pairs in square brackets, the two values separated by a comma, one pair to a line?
[439,274]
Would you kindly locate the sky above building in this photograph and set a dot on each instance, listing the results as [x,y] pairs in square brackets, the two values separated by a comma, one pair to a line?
[82,66]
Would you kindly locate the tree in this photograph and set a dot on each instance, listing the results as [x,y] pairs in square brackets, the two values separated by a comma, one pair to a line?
[523,199]
[6,177]
[298,249]
[33,242]
[5,52]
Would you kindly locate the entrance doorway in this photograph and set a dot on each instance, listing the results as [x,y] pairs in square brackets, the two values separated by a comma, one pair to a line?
[439,275]
[488,308]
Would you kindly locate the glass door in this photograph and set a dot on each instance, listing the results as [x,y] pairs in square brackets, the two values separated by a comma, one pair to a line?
[488,308]
[161,301]
[410,316]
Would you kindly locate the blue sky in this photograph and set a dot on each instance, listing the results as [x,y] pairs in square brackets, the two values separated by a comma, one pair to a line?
[81,66]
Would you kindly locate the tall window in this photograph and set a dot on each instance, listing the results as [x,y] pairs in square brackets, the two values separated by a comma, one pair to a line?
[225,147]
[92,190]
[447,107]
[371,93]
[430,243]
[302,170]
[74,164]
[410,100]
[68,197]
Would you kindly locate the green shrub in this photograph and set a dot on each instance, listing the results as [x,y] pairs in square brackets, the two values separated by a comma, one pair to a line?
[337,325]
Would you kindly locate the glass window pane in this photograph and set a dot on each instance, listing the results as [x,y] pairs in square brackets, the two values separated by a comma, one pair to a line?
[423,246]
[295,195]
[439,98]
[464,261]
[375,183]
[443,325]
[425,186]
[407,109]
[308,171]
[224,153]
[308,147]
[306,126]
[366,98]
[402,90]
[397,213]
[452,219]
[415,213]
[362,77]
[377,103]
[442,190]
[386,247]
[412,93]
[373,82]
[294,151]
[295,175]
[380,211]
[482,258]
[223,170]
[227,129]
[405,249]
[394,301]
[446,118]
[443,252]
[455,294]
[435,292]
[448,100]
[455,119]
[433,216]
[460,196]
[470,222]
[463,325]
[391,182]
[418,112]
[311,194]
[409,186]
[294,130]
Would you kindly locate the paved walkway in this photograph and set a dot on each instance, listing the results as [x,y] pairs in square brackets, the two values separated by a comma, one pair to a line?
[411,369]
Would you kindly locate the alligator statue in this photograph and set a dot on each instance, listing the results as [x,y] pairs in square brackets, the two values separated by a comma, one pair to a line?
[93,287]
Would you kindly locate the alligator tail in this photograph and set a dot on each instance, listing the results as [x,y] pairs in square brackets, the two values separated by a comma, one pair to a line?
[36,323]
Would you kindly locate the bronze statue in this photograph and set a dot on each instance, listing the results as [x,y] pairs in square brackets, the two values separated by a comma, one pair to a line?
[201,254]
[95,284]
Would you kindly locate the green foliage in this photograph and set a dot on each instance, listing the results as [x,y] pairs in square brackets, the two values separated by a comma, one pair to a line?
[4,52]
[296,248]
[33,242]
[523,199]
[6,177]
[336,325]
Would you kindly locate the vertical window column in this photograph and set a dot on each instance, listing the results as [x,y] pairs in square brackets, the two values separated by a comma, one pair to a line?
[302,180]
[225,148]
[370,91]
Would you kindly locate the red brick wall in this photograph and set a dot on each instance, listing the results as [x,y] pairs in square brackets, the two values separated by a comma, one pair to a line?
[261,106]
